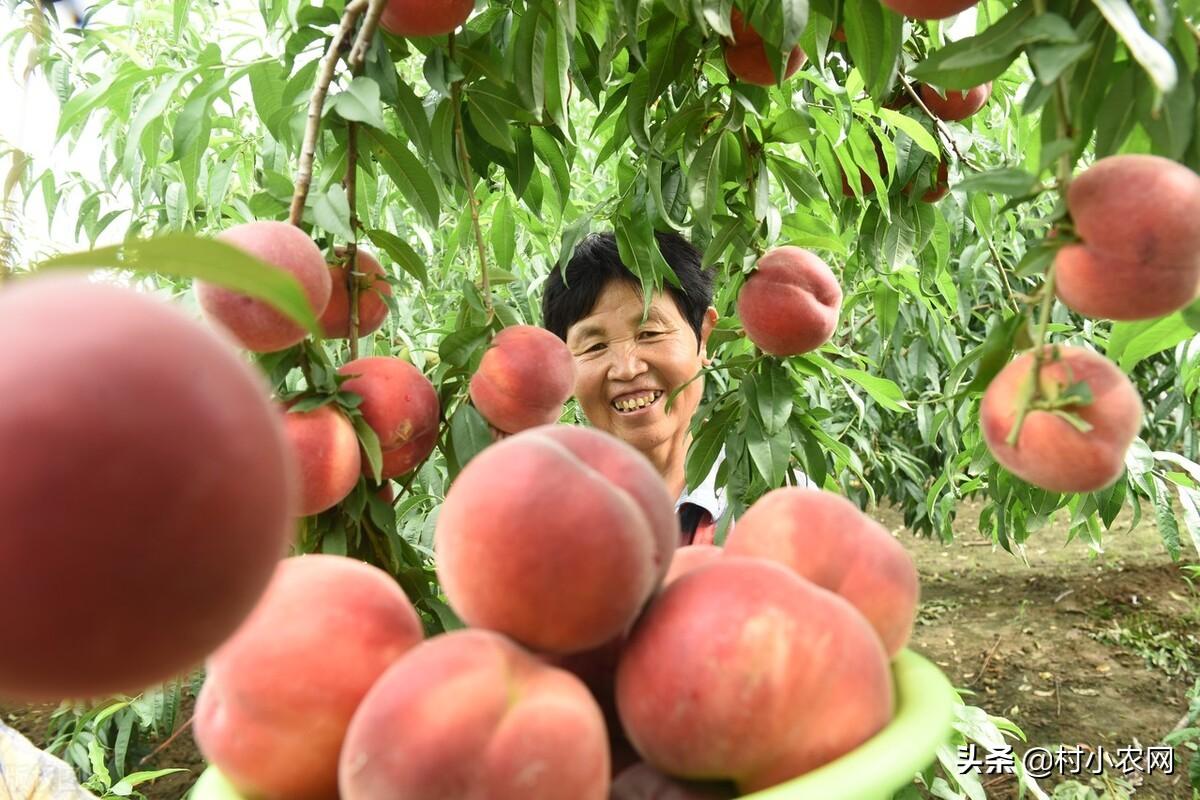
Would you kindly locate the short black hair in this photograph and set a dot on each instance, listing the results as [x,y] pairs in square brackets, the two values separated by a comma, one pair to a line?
[596,261]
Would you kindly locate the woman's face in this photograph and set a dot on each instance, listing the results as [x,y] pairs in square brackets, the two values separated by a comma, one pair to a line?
[627,367]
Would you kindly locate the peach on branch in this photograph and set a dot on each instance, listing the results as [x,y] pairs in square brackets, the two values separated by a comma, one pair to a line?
[826,539]
[955,106]
[929,9]
[556,537]
[400,405]
[254,323]
[136,443]
[523,379]
[372,310]
[789,304]
[1139,257]
[741,670]
[469,714]
[425,17]
[746,54]
[1064,445]
[278,696]
[938,190]
[327,456]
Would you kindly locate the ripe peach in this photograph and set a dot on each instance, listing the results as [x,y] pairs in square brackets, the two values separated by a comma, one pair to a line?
[557,517]
[938,190]
[400,405]
[258,326]
[326,452]
[746,54]
[372,310]
[1140,255]
[279,695]
[1050,451]
[523,379]
[826,539]
[690,557]
[743,671]
[789,305]
[469,714]
[641,781]
[956,106]
[425,17]
[929,9]
[137,443]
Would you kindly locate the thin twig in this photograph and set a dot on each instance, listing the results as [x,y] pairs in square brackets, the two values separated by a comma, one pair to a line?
[353,277]
[942,129]
[316,104]
[358,53]
[465,167]
[168,740]
[986,661]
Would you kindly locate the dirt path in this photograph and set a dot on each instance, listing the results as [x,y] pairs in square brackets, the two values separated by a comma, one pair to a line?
[1064,647]
[1060,646]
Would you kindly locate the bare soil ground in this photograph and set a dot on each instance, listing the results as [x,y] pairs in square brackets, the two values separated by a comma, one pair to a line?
[1077,647]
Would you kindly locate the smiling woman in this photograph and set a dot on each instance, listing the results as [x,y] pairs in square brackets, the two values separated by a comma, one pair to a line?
[628,362]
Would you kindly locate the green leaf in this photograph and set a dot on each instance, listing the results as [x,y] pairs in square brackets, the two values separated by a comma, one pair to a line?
[882,390]
[1051,61]
[1118,114]
[547,149]
[557,62]
[1171,126]
[1006,181]
[1133,342]
[1168,525]
[706,447]
[409,175]
[360,103]
[1191,316]
[969,62]
[913,128]
[469,433]
[461,345]
[331,210]
[401,253]
[124,787]
[528,58]
[489,120]
[791,125]
[773,391]
[995,352]
[770,453]
[704,174]
[412,116]
[370,445]
[874,36]
[504,241]
[1145,49]
[210,260]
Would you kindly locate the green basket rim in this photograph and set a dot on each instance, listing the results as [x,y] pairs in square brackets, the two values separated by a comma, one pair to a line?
[888,761]
[924,720]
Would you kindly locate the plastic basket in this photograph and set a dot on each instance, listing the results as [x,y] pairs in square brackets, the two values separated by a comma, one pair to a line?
[886,763]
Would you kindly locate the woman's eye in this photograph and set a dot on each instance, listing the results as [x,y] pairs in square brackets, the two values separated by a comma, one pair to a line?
[596,348]
[650,334]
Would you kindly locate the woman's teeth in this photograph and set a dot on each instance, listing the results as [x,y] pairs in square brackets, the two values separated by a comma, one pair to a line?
[635,402]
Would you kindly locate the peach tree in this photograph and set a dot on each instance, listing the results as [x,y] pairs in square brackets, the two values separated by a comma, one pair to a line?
[928,158]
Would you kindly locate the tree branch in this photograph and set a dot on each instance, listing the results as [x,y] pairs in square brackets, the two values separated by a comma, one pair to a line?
[317,103]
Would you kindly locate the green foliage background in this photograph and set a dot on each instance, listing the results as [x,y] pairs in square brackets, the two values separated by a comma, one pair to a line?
[580,115]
